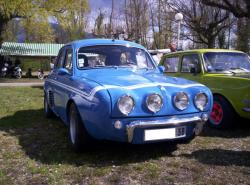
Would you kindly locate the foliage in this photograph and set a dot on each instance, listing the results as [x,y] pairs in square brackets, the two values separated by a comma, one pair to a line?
[204,23]
[137,20]
[72,20]
[161,23]
[243,34]
[37,29]
[99,27]
[240,8]
[11,31]
[37,13]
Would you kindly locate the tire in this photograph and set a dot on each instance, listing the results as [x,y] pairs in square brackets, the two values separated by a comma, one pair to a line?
[222,115]
[40,76]
[78,136]
[18,75]
[47,110]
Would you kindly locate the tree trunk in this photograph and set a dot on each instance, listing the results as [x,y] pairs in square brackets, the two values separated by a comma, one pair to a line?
[3,23]
[211,42]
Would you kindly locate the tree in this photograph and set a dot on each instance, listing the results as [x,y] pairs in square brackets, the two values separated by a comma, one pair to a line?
[25,9]
[72,20]
[240,8]
[99,26]
[37,29]
[161,18]
[203,22]
[137,20]
[243,35]
[11,31]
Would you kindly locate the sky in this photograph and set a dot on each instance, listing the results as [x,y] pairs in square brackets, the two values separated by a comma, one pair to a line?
[105,6]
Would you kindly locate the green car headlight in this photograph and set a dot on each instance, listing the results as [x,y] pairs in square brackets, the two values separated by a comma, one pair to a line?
[201,101]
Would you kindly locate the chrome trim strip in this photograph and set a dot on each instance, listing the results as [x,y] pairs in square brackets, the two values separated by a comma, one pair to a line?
[92,93]
[246,109]
[162,123]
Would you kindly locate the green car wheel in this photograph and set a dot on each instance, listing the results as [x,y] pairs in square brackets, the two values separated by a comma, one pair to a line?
[222,115]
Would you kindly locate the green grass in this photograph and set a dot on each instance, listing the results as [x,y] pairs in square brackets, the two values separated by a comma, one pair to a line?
[35,150]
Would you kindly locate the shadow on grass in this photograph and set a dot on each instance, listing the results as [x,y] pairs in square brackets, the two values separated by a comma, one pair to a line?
[45,140]
[241,129]
[221,157]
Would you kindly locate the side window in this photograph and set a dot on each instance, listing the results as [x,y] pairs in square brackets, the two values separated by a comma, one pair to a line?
[171,64]
[60,59]
[190,61]
[68,59]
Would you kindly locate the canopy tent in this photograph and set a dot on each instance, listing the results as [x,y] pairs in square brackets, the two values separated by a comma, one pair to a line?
[30,49]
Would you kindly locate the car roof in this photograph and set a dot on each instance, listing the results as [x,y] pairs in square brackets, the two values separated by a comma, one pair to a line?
[93,42]
[204,51]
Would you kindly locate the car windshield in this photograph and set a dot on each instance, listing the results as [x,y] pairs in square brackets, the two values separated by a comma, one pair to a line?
[226,61]
[113,56]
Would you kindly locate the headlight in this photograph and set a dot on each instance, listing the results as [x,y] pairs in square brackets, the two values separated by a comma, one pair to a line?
[200,101]
[154,102]
[181,101]
[126,104]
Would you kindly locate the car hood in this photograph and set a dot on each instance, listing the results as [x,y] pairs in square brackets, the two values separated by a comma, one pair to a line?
[139,84]
[126,78]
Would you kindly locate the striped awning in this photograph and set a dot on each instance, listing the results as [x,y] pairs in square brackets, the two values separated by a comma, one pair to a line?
[30,49]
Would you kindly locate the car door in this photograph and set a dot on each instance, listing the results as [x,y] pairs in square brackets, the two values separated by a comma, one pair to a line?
[64,78]
[191,67]
[57,87]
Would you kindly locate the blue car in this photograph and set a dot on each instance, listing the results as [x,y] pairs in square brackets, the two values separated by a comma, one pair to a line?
[112,90]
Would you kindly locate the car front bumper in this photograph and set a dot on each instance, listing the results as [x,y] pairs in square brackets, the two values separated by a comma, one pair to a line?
[192,125]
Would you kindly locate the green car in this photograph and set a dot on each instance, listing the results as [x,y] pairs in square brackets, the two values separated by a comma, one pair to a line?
[225,72]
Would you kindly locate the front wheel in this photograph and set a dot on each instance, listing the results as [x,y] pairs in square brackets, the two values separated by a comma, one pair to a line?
[222,115]
[78,136]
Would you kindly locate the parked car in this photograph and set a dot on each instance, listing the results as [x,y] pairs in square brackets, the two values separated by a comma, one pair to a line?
[158,53]
[225,72]
[112,90]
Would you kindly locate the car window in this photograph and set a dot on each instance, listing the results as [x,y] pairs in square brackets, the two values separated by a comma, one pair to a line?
[113,55]
[171,64]
[90,59]
[224,61]
[60,59]
[68,59]
[189,61]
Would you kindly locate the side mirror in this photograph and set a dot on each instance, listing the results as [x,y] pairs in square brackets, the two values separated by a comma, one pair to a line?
[63,71]
[161,69]
[52,66]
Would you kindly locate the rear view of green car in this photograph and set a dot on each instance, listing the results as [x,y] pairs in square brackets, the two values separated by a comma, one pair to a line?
[225,72]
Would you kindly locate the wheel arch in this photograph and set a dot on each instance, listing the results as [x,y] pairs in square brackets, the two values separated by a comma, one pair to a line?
[69,103]
[226,99]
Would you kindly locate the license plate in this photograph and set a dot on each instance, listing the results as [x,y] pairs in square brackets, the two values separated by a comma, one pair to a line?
[166,133]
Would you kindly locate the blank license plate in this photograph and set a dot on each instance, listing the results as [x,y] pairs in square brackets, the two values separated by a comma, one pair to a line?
[166,133]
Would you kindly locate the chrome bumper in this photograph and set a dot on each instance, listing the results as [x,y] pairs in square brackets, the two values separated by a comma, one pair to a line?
[168,122]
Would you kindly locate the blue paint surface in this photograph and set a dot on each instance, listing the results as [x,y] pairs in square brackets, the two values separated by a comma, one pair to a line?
[96,91]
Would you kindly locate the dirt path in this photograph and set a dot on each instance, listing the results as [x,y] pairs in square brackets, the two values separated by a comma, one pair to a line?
[24,84]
